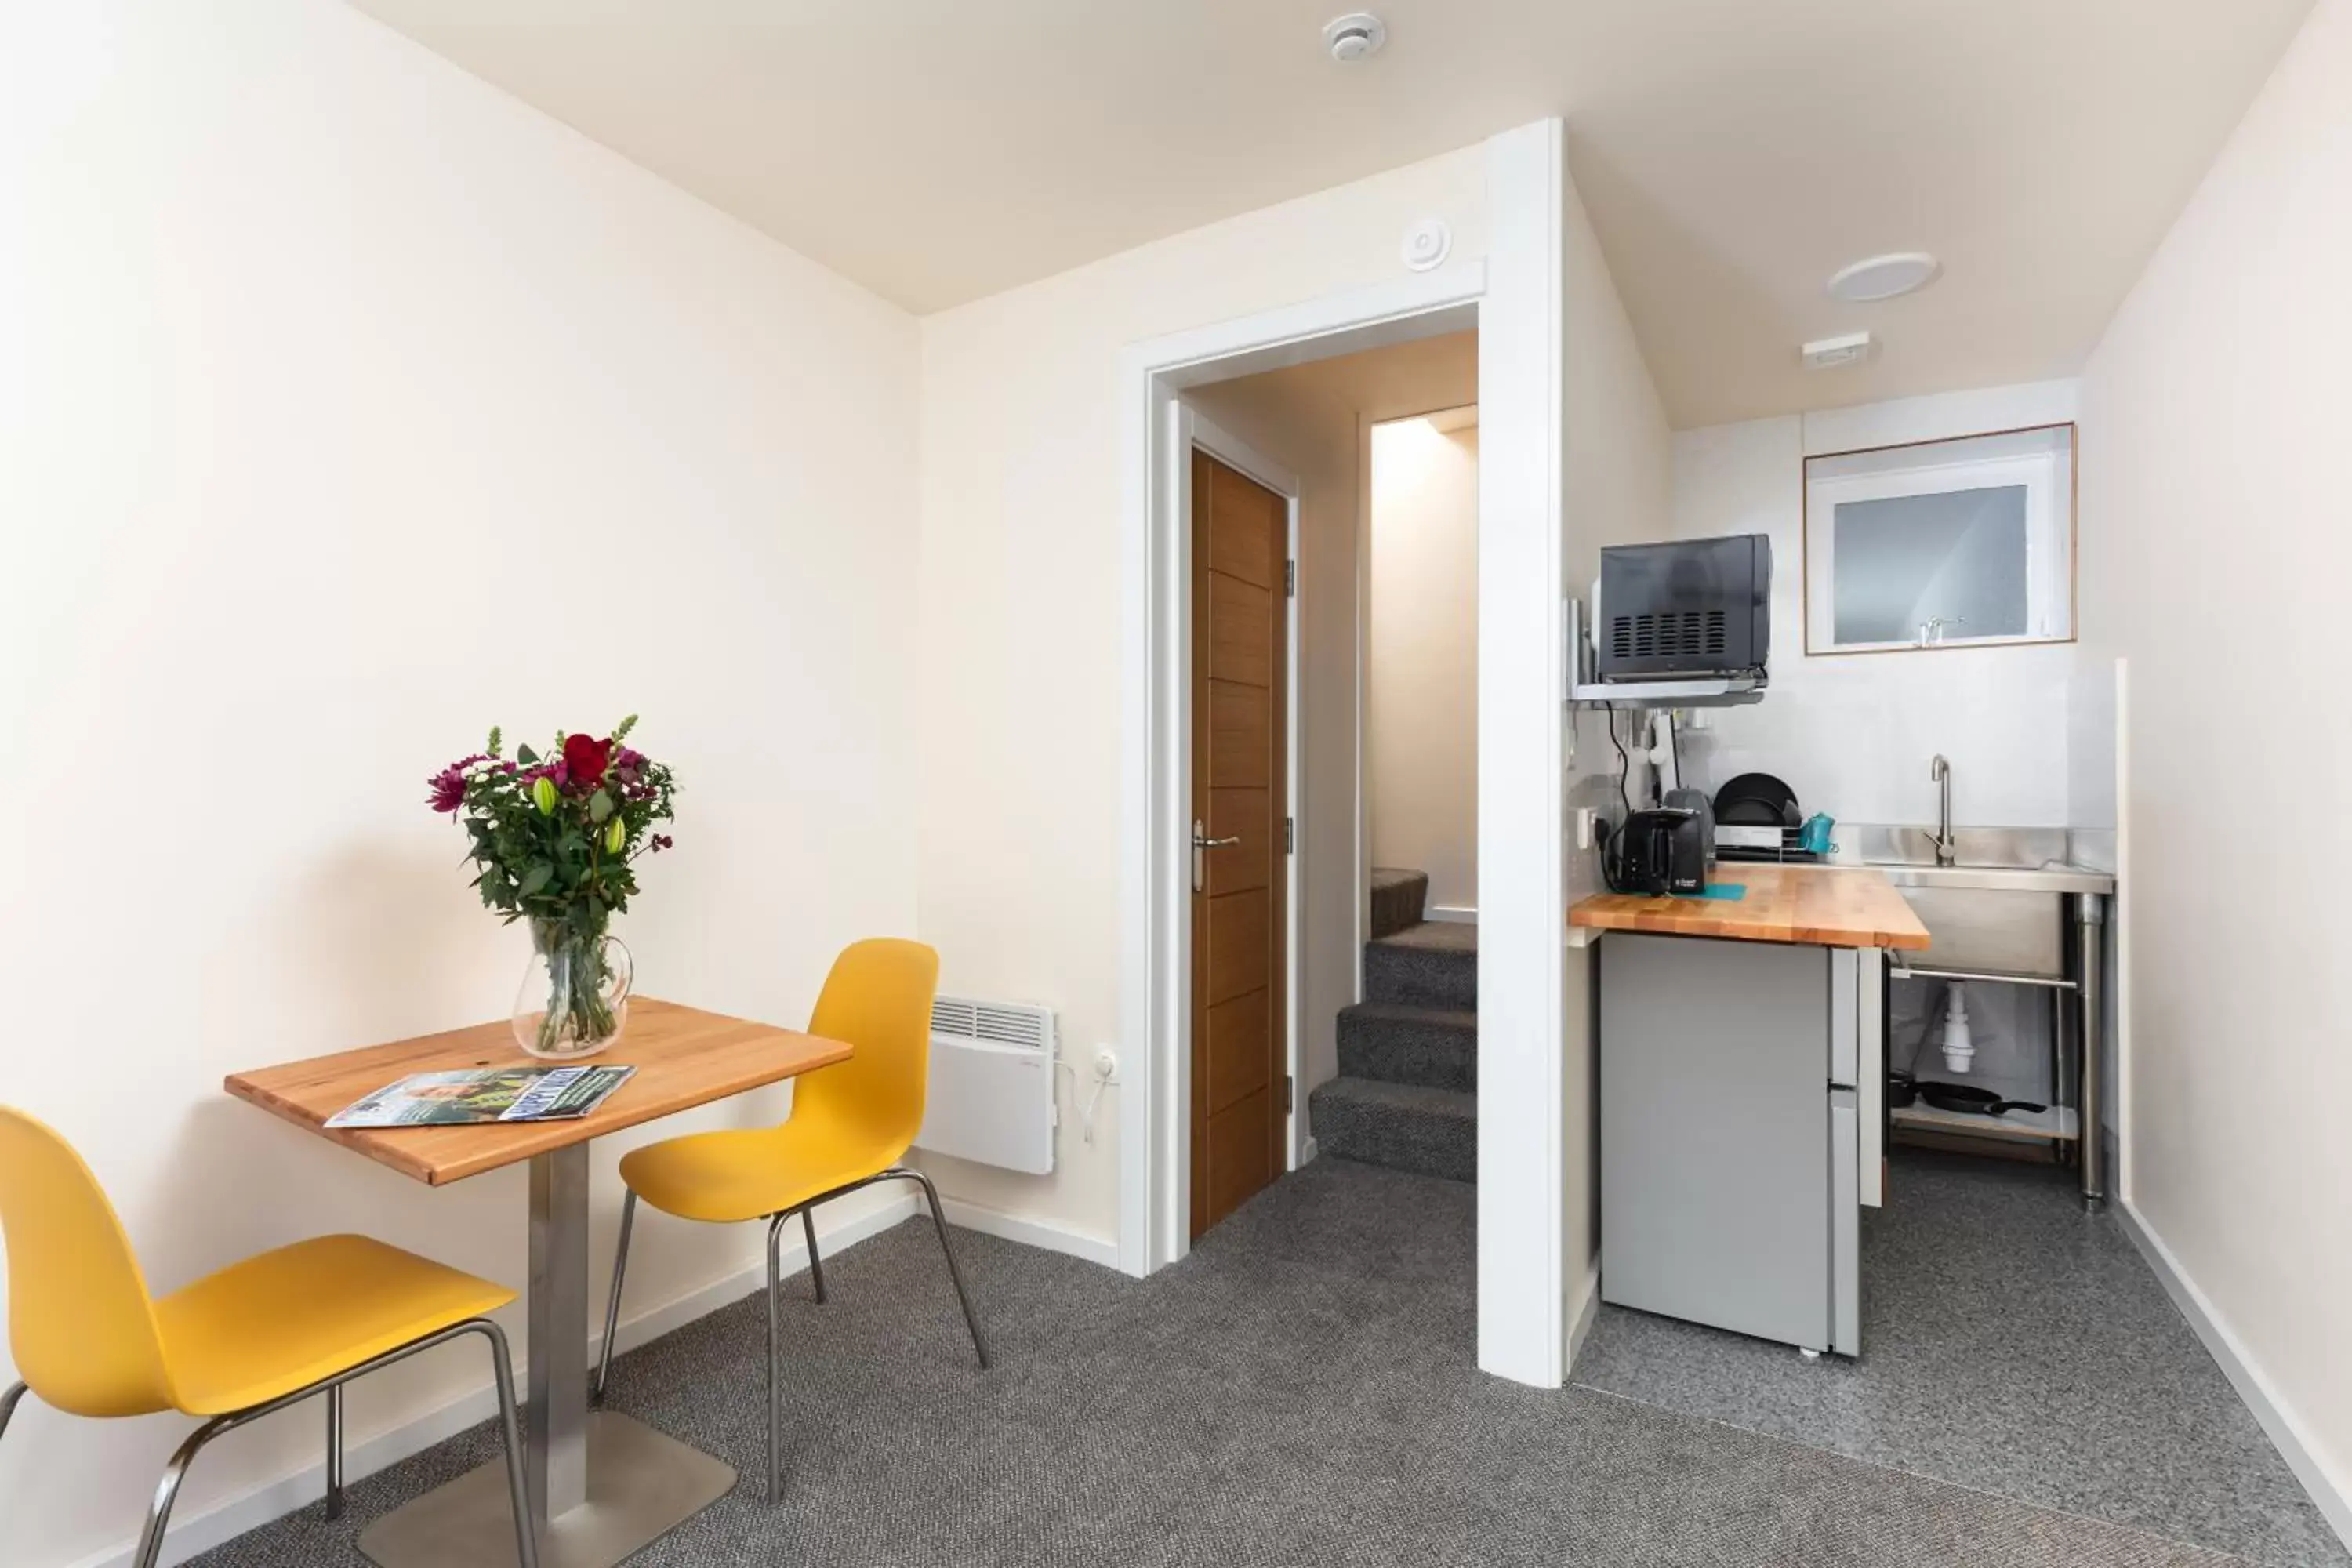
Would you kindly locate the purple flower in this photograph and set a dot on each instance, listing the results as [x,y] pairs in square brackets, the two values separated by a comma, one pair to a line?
[448,785]
[661,841]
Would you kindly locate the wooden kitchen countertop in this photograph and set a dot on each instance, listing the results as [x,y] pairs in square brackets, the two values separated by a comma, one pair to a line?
[1827,906]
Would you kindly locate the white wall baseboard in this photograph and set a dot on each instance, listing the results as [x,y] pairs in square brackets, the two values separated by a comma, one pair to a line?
[1309,1150]
[1043,1234]
[195,1533]
[1583,1306]
[2331,1494]
[1458,914]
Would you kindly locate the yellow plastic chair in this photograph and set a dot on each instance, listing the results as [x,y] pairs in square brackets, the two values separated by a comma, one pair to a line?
[233,1347]
[851,1124]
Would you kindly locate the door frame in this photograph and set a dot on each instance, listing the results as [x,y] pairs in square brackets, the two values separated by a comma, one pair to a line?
[1515,296]
[1156,948]
[1189,429]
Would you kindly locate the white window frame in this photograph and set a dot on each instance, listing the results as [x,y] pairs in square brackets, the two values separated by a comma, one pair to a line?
[2048,479]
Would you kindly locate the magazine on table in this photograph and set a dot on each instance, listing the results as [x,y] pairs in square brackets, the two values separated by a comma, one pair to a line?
[479,1095]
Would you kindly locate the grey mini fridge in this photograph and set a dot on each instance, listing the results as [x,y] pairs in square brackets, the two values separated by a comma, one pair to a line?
[1729,1135]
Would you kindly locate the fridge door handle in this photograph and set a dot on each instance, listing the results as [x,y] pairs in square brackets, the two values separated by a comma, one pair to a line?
[1870,1073]
[1845,1023]
[1845,1222]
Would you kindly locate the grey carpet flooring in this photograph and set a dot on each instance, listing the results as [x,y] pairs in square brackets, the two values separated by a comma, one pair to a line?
[2011,1343]
[1300,1392]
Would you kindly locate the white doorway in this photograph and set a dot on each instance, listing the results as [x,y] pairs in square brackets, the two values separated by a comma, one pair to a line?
[1513,298]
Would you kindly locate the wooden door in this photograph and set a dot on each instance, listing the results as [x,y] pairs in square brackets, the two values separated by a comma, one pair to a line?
[1241,537]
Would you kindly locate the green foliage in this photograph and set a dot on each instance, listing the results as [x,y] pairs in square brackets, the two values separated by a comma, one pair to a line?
[547,847]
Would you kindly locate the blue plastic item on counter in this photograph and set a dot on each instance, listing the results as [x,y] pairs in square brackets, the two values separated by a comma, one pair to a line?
[1814,836]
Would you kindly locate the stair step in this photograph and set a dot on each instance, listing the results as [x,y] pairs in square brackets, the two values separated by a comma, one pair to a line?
[1434,964]
[1404,1126]
[1434,1047]
[1398,898]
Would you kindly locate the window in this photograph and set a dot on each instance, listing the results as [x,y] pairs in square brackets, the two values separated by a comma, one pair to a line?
[1941,544]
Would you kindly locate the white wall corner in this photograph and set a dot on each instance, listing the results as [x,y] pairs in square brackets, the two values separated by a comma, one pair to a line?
[2330,1489]
[1583,1306]
[1045,1234]
[1521,686]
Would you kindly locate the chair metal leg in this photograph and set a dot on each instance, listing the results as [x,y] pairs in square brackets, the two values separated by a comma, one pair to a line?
[335,1452]
[939,1222]
[816,1267]
[8,1405]
[613,1304]
[510,1436]
[167,1490]
[775,1346]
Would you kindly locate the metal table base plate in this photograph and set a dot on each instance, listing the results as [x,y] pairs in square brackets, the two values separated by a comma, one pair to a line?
[641,1486]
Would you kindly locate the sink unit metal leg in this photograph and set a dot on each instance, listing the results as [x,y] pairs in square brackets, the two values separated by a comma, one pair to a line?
[2090,1034]
[2060,1021]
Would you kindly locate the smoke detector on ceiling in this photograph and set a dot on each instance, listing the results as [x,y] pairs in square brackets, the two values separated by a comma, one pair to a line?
[1356,35]
[1884,277]
[1828,354]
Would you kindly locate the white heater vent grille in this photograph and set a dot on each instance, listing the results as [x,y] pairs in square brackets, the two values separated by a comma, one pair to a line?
[999,1023]
[990,1097]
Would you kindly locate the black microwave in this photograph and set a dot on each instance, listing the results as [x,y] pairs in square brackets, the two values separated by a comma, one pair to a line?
[1695,607]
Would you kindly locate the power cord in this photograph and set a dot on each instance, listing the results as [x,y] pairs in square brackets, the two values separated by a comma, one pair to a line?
[1624,761]
[1102,1080]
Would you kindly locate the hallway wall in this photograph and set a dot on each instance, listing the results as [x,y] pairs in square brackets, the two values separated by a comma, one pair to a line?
[1420,658]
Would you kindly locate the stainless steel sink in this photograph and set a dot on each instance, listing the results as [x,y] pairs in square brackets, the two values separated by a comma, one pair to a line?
[1999,859]
[2001,907]
[1998,879]
[2009,904]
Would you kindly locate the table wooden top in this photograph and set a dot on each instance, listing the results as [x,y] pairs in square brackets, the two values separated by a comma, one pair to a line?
[684,1057]
[1830,906]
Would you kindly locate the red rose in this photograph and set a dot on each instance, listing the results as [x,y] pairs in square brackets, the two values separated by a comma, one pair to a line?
[584,760]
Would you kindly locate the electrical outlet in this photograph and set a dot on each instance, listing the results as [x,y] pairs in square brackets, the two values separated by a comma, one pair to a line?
[1106,1065]
[1584,815]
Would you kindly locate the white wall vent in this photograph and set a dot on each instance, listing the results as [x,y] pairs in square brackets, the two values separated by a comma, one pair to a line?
[990,1097]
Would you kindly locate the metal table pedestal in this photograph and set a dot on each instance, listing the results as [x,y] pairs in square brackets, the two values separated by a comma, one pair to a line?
[602,1486]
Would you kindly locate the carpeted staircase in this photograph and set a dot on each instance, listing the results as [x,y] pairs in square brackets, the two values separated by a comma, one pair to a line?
[1407,1091]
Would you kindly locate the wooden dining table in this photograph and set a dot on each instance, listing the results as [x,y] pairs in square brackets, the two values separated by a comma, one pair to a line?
[601,1485]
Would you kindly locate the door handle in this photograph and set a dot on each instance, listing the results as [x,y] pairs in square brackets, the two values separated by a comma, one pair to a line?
[1201,845]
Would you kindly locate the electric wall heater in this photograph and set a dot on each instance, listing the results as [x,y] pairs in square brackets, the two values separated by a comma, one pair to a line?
[991,1091]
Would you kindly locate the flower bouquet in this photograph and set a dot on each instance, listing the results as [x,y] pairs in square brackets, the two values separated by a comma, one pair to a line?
[556,840]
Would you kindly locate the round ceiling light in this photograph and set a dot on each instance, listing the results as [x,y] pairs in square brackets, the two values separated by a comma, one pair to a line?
[1884,277]
[1354,37]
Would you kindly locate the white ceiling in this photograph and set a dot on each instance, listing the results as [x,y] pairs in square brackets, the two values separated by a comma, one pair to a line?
[1733,152]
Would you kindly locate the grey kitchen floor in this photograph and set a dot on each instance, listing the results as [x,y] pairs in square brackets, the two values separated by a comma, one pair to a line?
[2011,1344]
[1302,1391]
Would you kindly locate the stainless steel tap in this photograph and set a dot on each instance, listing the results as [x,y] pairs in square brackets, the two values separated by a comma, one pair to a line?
[1946,845]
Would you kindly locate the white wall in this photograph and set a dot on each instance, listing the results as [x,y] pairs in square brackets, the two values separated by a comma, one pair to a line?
[1853,733]
[1018,629]
[2215,556]
[348,408]
[1616,485]
[1420,658]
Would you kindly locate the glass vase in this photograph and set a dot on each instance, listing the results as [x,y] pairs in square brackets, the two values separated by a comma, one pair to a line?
[574,997]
